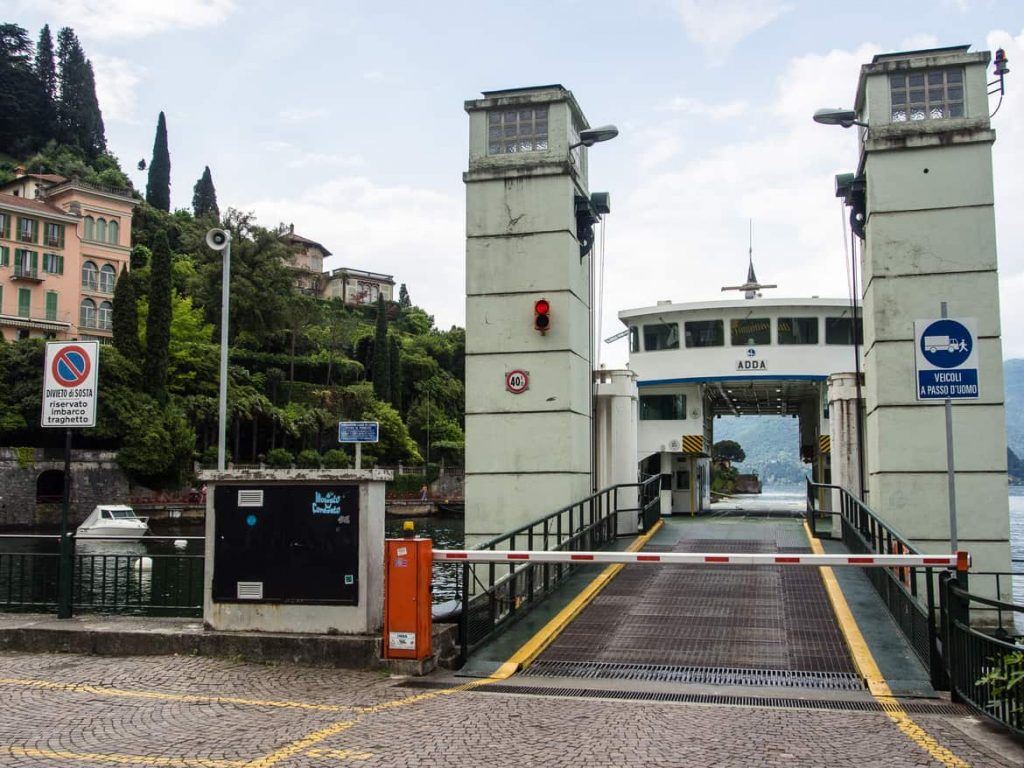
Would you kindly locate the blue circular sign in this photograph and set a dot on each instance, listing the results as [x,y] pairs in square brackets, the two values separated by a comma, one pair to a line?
[946,344]
[250,520]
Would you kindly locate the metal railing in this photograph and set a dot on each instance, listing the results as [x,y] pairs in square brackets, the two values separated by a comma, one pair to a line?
[137,583]
[494,596]
[985,671]
[908,593]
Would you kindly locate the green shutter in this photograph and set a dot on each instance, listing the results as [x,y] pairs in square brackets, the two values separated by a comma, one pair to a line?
[51,305]
[19,258]
[60,235]
[60,265]
[5,225]
[35,231]
[34,260]
[4,255]
[24,302]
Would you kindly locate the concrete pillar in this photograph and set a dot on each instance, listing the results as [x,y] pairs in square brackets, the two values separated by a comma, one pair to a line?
[616,438]
[667,470]
[843,408]
[527,453]
[930,237]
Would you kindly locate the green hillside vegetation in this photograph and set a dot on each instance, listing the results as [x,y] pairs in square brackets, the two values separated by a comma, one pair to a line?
[298,365]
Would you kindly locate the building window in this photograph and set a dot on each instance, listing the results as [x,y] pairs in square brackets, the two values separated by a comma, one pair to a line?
[51,305]
[798,330]
[661,336]
[5,225]
[106,316]
[27,229]
[929,95]
[750,332]
[26,263]
[662,407]
[101,230]
[53,235]
[24,302]
[87,313]
[53,263]
[113,232]
[5,255]
[839,330]
[90,228]
[634,339]
[510,131]
[705,333]
[108,276]
[90,276]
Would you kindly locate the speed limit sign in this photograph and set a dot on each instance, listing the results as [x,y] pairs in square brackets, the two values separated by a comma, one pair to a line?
[517,381]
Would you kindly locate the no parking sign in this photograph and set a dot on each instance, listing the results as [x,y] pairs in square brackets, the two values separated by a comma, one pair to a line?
[69,384]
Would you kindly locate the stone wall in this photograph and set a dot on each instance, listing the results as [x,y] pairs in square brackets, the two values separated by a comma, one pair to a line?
[95,479]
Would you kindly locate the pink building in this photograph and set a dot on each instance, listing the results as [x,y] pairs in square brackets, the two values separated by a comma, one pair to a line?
[62,245]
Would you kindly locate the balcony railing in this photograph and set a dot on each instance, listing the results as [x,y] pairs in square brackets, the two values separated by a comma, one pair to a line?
[25,237]
[53,242]
[95,324]
[22,272]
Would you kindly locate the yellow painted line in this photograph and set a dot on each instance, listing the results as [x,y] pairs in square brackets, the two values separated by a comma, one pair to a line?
[300,745]
[98,690]
[91,757]
[533,647]
[868,668]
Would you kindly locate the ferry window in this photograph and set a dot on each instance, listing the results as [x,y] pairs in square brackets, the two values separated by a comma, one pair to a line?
[751,332]
[634,339]
[839,330]
[705,333]
[661,336]
[798,330]
[682,479]
[662,407]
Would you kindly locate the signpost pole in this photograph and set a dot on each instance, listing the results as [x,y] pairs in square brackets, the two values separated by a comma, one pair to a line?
[950,471]
[359,455]
[222,405]
[66,545]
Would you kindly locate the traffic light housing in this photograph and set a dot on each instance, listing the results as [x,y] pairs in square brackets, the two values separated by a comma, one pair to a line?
[542,315]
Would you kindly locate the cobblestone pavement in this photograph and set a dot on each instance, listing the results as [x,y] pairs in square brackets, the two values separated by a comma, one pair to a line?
[177,712]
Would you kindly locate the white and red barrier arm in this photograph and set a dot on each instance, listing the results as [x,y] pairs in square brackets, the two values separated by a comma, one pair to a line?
[957,560]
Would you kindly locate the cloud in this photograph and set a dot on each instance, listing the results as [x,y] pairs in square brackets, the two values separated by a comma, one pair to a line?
[120,19]
[301,115]
[919,42]
[690,106]
[116,84]
[721,24]
[296,157]
[415,234]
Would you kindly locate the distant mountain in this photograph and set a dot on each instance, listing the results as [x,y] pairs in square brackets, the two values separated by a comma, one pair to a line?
[772,446]
[1013,382]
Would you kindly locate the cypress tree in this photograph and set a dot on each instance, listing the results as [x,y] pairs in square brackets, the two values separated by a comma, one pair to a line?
[126,317]
[46,72]
[158,323]
[158,186]
[381,357]
[79,121]
[403,297]
[395,372]
[204,196]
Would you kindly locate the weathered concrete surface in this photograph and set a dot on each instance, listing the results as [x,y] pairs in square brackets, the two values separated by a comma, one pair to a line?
[191,712]
[96,478]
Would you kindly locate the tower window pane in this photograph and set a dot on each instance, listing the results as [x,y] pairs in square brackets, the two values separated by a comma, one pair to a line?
[932,95]
[511,131]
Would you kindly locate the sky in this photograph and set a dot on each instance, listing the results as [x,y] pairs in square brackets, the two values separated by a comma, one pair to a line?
[345,118]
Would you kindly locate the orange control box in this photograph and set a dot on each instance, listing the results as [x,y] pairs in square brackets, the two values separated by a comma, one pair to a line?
[408,626]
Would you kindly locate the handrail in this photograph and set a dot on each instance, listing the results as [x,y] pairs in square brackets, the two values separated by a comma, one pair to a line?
[955,589]
[850,498]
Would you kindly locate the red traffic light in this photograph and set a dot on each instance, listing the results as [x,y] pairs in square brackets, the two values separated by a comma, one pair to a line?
[541,315]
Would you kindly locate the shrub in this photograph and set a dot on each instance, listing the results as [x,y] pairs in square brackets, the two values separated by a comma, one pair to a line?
[336,458]
[308,459]
[279,457]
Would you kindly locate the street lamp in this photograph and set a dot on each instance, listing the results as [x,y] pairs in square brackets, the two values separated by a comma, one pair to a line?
[837,116]
[220,240]
[591,136]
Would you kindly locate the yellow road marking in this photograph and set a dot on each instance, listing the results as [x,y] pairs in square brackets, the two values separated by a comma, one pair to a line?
[340,754]
[533,647]
[868,668]
[300,745]
[91,757]
[98,690]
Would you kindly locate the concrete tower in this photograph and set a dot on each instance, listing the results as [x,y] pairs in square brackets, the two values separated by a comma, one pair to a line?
[527,452]
[926,158]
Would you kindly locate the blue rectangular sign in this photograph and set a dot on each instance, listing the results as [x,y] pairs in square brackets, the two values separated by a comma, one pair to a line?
[947,385]
[358,431]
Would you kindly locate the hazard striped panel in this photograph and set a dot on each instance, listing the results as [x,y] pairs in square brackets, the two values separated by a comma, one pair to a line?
[825,443]
[693,443]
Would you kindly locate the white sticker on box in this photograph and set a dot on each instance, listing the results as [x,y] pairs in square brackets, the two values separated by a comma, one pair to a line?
[402,551]
[402,641]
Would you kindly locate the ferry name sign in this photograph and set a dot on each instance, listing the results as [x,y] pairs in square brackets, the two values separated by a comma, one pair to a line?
[946,359]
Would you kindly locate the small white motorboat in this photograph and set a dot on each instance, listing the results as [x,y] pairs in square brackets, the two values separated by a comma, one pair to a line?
[115,521]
